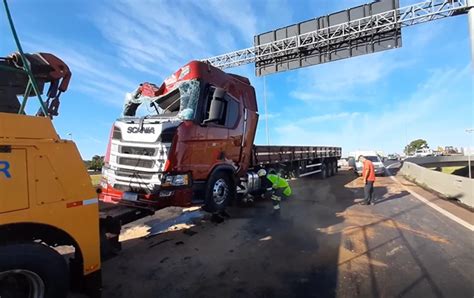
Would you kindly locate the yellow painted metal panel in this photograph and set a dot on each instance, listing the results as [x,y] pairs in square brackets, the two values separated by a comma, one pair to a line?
[36,136]
[26,127]
[48,188]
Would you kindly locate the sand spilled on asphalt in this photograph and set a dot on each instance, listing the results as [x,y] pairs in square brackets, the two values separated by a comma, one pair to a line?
[356,231]
[364,220]
[356,220]
[143,227]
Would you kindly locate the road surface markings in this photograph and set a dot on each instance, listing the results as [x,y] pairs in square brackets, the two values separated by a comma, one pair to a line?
[432,205]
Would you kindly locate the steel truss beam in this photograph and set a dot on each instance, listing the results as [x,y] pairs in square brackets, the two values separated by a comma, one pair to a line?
[345,32]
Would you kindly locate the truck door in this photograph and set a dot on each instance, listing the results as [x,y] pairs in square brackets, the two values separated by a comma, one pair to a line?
[234,123]
[217,134]
[13,179]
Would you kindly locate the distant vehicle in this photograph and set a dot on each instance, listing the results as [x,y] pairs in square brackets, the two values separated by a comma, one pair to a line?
[393,157]
[370,155]
[343,162]
[423,152]
[450,150]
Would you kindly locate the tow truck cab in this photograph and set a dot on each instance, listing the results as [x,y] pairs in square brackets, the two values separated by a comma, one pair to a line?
[204,121]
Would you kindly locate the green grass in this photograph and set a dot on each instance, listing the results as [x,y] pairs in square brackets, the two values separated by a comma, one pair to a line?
[95,179]
[449,170]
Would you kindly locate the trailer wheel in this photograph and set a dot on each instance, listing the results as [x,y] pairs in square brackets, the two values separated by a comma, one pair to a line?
[32,270]
[324,173]
[334,167]
[219,192]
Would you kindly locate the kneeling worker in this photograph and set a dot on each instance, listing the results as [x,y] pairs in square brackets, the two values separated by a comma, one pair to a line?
[275,187]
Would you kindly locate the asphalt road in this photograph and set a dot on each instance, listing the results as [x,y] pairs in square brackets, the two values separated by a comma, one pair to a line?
[322,244]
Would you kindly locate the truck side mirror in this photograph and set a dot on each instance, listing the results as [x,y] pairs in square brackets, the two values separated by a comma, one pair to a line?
[217,108]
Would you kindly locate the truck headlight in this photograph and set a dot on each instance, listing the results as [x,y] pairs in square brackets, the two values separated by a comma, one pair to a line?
[176,180]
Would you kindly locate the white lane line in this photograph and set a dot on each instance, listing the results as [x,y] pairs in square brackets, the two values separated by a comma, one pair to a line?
[434,206]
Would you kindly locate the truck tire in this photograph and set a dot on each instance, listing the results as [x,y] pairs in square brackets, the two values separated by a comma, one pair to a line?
[330,169]
[324,173]
[219,192]
[334,167]
[32,270]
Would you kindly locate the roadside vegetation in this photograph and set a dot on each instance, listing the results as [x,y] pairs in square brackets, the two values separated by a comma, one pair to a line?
[95,179]
[459,170]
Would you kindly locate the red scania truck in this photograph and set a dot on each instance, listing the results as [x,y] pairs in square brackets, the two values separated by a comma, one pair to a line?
[196,146]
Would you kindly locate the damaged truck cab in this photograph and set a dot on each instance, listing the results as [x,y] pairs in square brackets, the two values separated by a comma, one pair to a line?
[192,148]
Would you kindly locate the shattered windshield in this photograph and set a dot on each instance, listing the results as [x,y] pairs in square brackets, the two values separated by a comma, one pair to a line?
[181,102]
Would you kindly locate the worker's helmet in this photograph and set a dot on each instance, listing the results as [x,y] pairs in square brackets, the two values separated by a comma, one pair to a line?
[262,173]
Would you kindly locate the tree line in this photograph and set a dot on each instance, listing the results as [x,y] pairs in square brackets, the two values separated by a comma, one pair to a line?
[95,164]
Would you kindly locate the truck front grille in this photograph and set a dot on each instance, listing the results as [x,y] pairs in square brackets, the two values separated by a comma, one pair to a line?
[135,162]
[138,151]
[138,175]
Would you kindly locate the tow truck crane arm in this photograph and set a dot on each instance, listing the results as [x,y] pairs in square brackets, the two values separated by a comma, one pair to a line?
[46,68]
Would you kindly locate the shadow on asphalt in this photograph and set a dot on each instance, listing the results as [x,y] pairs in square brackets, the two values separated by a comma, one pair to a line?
[302,261]
[392,197]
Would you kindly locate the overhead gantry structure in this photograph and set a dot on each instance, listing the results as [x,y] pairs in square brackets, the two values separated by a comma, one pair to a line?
[386,21]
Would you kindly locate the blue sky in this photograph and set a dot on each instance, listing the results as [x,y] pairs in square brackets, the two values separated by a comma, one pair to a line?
[378,101]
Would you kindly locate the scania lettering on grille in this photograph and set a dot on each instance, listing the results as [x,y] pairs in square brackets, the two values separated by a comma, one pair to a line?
[143,130]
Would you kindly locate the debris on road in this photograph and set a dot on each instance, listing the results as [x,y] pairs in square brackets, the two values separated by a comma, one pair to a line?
[189,232]
[159,242]
[164,220]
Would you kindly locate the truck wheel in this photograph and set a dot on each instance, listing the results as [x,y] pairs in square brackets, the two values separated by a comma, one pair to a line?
[219,192]
[324,172]
[334,166]
[32,270]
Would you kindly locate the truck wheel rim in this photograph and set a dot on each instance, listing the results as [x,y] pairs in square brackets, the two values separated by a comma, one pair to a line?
[220,191]
[21,283]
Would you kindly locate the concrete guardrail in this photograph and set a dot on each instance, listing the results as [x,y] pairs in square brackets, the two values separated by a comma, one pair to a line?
[450,186]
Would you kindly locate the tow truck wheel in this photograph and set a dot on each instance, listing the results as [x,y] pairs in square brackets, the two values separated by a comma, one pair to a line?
[219,192]
[32,270]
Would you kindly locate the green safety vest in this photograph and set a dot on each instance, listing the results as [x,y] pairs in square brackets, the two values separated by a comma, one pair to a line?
[280,183]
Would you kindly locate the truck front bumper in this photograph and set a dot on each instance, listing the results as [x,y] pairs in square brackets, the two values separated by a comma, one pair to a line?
[166,197]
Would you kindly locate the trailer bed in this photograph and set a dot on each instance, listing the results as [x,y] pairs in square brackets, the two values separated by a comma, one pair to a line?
[264,155]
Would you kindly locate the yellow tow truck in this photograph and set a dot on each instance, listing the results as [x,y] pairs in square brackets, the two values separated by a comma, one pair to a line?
[48,205]
[47,201]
